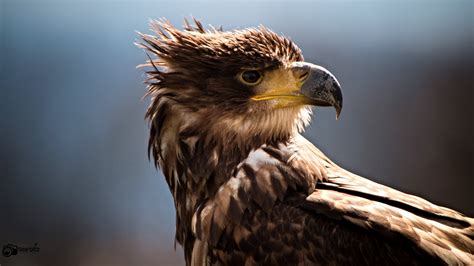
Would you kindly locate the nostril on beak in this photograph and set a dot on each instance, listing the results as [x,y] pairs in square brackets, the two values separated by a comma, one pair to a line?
[304,76]
[301,70]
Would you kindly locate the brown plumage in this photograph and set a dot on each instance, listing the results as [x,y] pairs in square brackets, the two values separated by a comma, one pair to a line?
[226,111]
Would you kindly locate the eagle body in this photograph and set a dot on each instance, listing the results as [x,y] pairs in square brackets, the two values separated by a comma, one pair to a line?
[225,119]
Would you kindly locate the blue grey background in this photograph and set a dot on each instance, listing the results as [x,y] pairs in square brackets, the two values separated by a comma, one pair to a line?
[75,177]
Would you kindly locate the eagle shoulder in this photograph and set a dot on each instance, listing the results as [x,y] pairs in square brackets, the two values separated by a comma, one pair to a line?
[263,178]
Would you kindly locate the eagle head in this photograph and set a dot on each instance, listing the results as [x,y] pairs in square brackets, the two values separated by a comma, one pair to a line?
[235,86]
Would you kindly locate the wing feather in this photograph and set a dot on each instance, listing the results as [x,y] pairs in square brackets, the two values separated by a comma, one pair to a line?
[441,232]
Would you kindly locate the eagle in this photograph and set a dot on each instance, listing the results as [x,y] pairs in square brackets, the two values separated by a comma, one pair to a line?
[226,115]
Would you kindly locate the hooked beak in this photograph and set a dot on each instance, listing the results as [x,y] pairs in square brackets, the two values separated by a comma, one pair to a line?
[305,84]
[320,86]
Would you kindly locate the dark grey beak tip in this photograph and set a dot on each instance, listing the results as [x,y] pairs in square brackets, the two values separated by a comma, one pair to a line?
[338,111]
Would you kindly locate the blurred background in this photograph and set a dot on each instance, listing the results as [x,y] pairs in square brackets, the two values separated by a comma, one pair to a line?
[75,177]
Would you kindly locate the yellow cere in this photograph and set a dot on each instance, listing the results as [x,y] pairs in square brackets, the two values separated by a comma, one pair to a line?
[281,85]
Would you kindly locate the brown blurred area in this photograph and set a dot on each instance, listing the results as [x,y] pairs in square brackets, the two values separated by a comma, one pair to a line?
[75,177]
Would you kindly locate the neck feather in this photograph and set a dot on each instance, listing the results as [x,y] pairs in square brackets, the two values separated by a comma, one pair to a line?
[196,149]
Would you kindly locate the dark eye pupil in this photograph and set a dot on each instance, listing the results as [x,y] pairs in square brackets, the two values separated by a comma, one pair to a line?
[251,76]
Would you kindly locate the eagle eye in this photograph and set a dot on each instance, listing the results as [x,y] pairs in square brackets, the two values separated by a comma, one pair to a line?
[251,77]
